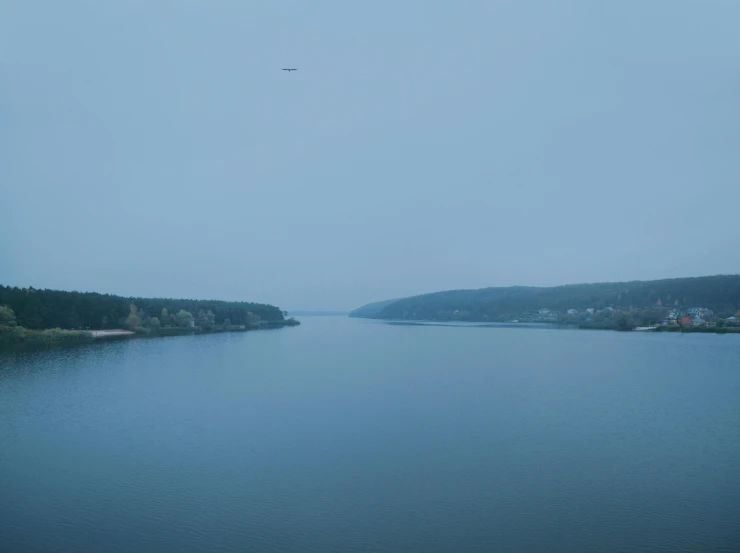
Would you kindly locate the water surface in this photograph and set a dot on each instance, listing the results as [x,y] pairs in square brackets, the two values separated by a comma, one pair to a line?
[357,436]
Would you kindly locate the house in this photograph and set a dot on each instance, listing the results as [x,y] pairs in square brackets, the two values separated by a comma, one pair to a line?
[698,321]
[544,312]
[590,310]
[685,320]
[702,312]
[572,311]
[608,309]
[732,320]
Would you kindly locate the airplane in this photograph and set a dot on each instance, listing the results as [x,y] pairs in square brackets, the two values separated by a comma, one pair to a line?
[290,69]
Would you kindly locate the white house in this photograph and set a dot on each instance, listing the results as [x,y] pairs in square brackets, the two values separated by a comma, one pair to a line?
[590,310]
[701,312]
[572,311]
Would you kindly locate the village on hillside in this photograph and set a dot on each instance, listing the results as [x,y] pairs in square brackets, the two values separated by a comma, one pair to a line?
[635,318]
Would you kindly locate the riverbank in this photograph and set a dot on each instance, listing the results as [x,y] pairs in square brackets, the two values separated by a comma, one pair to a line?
[659,328]
[18,335]
[559,324]
[53,336]
[111,333]
[700,329]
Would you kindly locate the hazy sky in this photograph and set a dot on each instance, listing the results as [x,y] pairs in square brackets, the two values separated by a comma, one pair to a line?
[155,147]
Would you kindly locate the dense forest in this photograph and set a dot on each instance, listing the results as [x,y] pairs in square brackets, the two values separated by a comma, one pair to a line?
[718,293]
[42,309]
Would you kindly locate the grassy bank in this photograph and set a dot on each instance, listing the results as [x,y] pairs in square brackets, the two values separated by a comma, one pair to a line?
[19,335]
[179,331]
[700,329]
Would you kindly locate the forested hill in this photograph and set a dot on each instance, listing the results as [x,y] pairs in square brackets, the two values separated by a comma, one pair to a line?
[372,310]
[719,293]
[41,309]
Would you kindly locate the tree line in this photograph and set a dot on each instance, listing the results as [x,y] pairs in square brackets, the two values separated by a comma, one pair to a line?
[42,309]
[720,293]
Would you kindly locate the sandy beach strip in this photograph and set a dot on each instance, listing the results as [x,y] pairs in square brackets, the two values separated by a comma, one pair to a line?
[106,333]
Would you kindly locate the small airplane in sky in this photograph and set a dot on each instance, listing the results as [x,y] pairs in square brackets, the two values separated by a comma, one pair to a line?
[290,69]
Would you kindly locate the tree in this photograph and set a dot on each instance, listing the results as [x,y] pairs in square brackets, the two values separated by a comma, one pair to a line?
[133,321]
[624,322]
[7,316]
[18,333]
[154,322]
[227,323]
[104,320]
[252,319]
[206,319]
[42,309]
[143,317]
[184,318]
[33,314]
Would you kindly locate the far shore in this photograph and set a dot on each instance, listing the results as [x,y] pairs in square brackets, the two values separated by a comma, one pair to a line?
[106,333]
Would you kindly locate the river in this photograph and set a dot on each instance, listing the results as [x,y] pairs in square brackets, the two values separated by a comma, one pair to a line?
[359,436]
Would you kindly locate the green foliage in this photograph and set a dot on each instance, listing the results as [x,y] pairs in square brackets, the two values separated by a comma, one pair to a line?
[610,321]
[253,321]
[623,322]
[373,310]
[184,318]
[133,322]
[154,323]
[7,316]
[206,320]
[719,293]
[40,309]
[18,333]
[50,335]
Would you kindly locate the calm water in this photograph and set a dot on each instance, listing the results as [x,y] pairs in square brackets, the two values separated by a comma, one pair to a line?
[347,435]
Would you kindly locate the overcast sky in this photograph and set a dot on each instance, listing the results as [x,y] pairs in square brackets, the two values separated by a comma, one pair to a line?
[155,148]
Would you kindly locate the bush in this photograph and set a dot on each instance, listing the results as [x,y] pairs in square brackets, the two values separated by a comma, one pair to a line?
[56,335]
[7,316]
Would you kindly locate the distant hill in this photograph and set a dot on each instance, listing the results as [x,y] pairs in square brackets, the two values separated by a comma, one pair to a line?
[720,293]
[372,310]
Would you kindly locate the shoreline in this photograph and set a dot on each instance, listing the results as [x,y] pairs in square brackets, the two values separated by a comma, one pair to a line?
[557,324]
[58,337]
[110,333]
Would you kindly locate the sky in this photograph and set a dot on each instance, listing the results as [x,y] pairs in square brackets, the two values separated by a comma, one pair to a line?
[155,148]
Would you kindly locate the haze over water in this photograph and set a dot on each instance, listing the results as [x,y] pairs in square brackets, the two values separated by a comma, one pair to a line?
[420,146]
[354,436]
